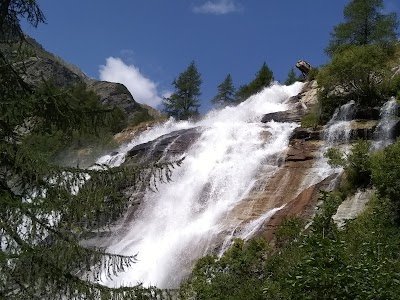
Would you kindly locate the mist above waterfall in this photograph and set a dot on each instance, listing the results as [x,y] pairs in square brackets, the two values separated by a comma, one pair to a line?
[184,219]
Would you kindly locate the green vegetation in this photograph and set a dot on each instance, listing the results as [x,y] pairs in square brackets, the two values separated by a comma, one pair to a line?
[357,73]
[357,165]
[362,50]
[386,174]
[364,25]
[226,93]
[184,103]
[292,78]
[264,77]
[42,216]
[359,262]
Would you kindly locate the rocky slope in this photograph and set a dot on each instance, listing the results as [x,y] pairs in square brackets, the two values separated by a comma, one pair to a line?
[43,65]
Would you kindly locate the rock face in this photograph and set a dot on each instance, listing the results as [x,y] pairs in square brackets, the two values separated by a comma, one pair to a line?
[38,69]
[351,207]
[169,145]
[47,66]
[293,115]
[114,94]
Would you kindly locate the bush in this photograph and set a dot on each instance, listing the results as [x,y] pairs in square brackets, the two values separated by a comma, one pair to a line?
[357,164]
[386,173]
[356,73]
[312,74]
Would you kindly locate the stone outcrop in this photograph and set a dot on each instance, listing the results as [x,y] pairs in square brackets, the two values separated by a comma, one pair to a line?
[169,145]
[39,69]
[292,115]
[114,94]
[308,95]
[351,207]
[44,65]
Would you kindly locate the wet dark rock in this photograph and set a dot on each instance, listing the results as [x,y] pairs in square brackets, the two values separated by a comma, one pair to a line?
[367,113]
[306,134]
[396,130]
[293,115]
[366,133]
[174,143]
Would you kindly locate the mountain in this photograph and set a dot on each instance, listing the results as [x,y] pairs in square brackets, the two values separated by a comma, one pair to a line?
[39,65]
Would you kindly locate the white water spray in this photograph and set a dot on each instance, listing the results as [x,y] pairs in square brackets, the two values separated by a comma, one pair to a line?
[336,133]
[183,220]
[383,133]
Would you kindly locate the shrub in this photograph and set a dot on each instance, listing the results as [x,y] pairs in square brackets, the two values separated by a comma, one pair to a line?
[356,73]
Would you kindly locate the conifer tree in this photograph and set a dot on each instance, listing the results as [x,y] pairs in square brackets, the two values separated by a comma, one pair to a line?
[226,92]
[291,77]
[45,209]
[184,102]
[364,24]
[264,77]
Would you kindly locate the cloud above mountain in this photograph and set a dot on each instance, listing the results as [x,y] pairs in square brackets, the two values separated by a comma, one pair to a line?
[143,89]
[218,7]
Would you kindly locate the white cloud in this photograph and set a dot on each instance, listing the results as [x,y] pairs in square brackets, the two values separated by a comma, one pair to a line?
[218,7]
[142,89]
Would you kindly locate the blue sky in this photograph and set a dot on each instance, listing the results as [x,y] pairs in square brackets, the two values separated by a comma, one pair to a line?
[146,44]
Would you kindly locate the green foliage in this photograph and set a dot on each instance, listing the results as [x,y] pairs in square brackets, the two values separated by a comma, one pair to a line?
[288,231]
[311,119]
[226,93]
[43,216]
[236,275]
[292,78]
[391,86]
[264,77]
[312,74]
[386,173]
[357,73]
[361,261]
[139,117]
[184,102]
[365,24]
[357,164]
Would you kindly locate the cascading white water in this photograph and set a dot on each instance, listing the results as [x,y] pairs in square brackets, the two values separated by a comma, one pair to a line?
[383,132]
[336,133]
[182,221]
[338,129]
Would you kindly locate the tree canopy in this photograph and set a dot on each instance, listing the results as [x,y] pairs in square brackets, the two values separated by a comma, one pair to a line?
[263,78]
[184,102]
[46,209]
[292,78]
[364,24]
[226,92]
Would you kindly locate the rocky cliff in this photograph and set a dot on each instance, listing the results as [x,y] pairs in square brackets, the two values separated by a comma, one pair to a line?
[40,65]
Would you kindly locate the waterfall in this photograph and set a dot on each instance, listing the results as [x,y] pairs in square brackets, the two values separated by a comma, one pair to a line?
[388,119]
[338,129]
[335,134]
[186,218]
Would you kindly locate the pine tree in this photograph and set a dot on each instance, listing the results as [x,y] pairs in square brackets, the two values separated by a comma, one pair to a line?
[264,77]
[291,77]
[184,103]
[43,216]
[364,25]
[226,92]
